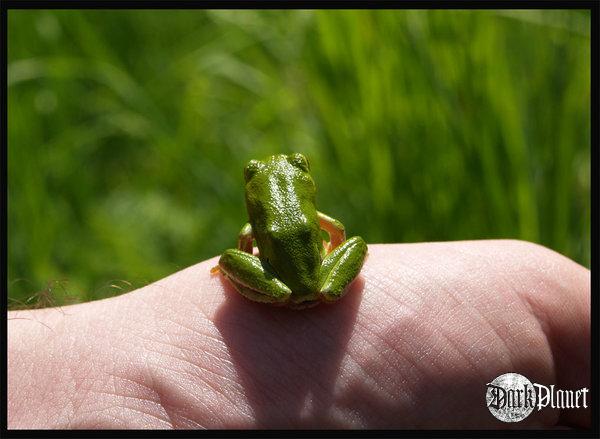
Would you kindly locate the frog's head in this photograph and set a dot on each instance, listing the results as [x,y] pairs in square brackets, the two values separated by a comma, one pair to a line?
[277,178]
[289,164]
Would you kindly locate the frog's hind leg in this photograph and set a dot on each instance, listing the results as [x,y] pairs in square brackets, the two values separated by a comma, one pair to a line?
[336,230]
[251,278]
[251,294]
[340,267]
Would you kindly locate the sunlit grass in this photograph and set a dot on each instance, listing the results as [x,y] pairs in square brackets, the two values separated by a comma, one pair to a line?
[128,132]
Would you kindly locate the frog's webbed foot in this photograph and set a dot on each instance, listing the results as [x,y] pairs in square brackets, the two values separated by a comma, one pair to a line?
[340,267]
[251,278]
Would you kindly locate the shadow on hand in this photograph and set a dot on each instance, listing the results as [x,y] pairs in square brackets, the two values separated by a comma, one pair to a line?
[288,360]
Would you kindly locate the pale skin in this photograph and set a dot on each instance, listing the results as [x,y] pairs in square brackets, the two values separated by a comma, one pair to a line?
[411,345]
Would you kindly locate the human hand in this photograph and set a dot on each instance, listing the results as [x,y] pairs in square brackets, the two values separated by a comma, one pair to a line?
[411,345]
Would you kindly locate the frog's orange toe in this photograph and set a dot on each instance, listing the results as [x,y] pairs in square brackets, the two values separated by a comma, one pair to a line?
[215,269]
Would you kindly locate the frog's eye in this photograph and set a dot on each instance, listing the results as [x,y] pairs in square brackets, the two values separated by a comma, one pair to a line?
[299,161]
[250,169]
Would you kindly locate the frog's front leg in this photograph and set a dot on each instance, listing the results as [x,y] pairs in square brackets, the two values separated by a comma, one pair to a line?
[340,267]
[245,238]
[251,278]
[336,230]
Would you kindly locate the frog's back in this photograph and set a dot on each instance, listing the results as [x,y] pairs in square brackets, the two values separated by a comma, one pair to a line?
[280,199]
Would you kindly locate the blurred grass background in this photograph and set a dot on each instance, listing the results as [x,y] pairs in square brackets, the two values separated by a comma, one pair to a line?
[129,130]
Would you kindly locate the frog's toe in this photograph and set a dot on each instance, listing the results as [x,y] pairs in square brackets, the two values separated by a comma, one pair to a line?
[303,305]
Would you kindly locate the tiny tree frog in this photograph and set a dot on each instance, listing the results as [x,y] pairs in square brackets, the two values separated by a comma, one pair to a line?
[295,267]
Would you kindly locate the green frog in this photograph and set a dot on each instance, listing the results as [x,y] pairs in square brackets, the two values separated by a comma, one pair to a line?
[295,266]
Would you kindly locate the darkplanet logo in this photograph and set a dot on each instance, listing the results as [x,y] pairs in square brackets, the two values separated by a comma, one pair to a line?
[512,397]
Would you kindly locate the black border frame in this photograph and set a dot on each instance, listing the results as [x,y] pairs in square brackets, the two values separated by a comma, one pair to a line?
[593,6]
